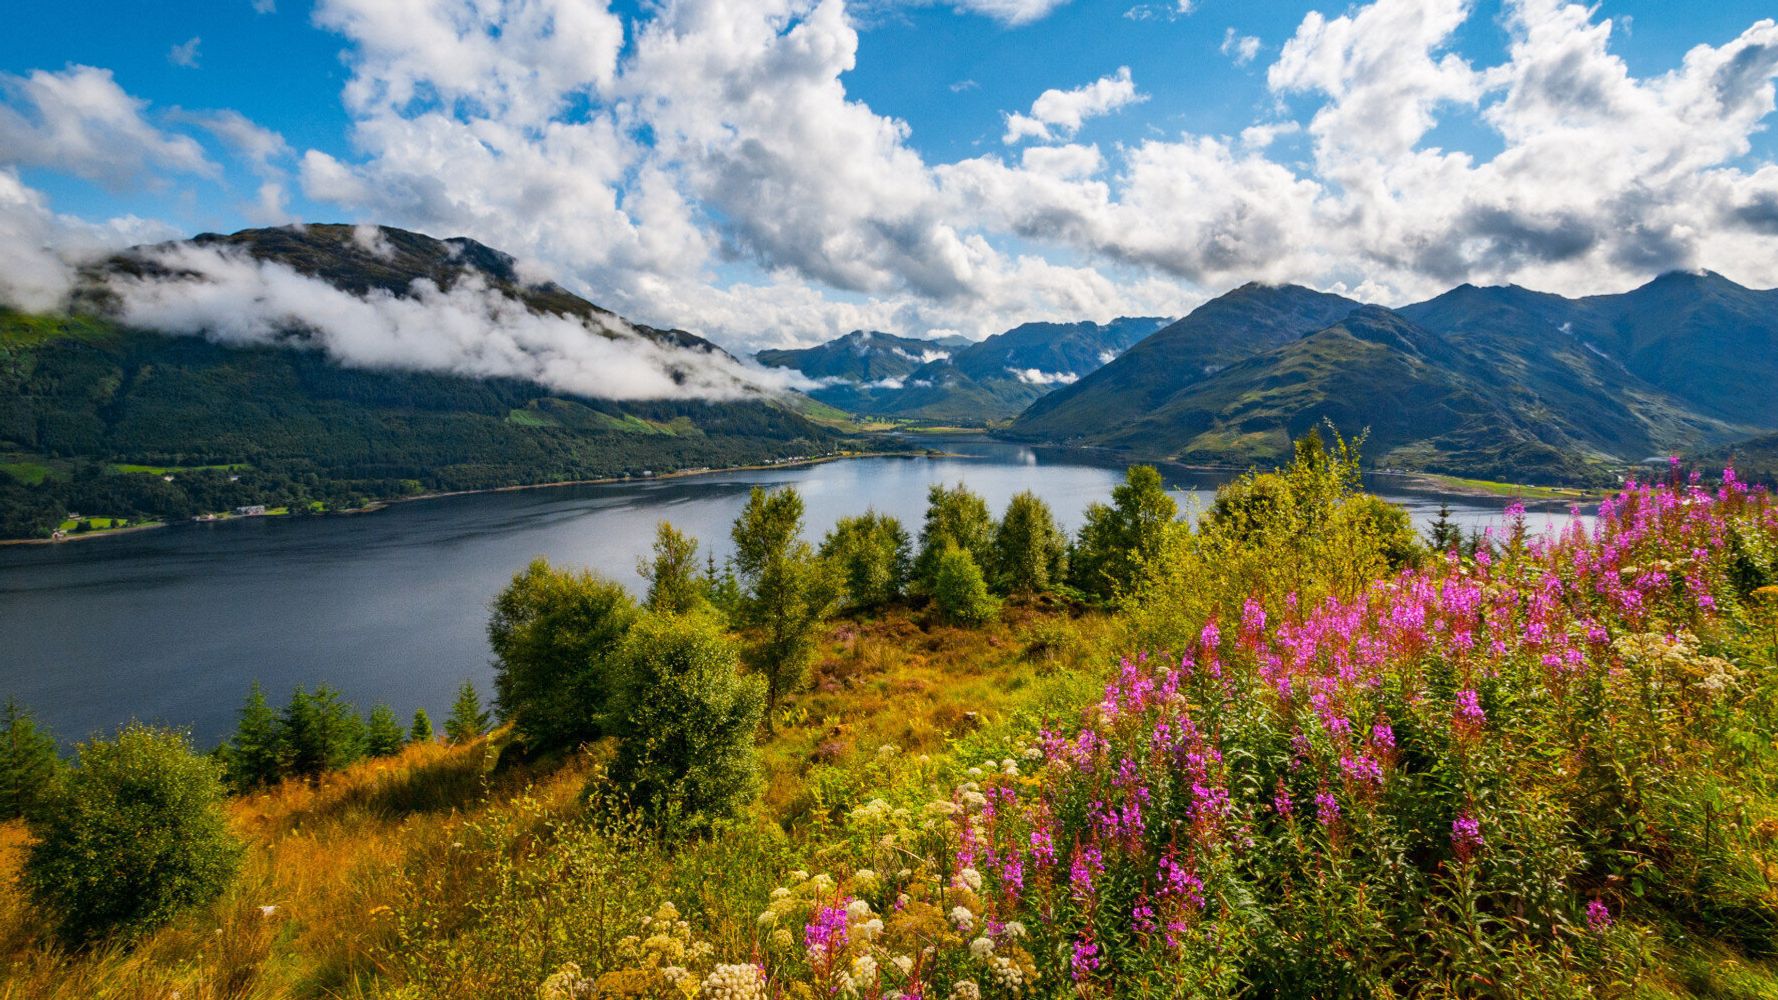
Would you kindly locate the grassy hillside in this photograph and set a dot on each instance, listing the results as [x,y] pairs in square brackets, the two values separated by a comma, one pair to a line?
[1326,765]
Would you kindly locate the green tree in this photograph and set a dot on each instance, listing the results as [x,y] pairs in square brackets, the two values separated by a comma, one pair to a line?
[31,771]
[672,573]
[786,590]
[255,753]
[137,834]
[421,730]
[382,734]
[1029,549]
[957,515]
[468,719]
[320,732]
[959,590]
[1444,535]
[685,748]
[870,553]
[1117,542]
[554,634]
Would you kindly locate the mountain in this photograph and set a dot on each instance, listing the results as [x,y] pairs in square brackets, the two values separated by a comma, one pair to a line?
[987,380]
[1246,321]
[1495,382]
[860,356]
[107,419]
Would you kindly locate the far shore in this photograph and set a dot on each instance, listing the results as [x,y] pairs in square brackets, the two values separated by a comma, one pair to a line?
[373,507]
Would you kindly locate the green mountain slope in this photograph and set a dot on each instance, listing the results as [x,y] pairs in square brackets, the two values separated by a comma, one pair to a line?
[1495,382]
[82,396]
[1247,321]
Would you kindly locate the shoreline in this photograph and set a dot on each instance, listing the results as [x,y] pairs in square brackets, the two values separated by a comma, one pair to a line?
[379,505]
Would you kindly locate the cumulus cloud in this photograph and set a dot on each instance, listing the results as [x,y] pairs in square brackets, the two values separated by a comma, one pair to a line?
[469,329]
[1062,112]
[1033,376]
[81,122]
[1241,48]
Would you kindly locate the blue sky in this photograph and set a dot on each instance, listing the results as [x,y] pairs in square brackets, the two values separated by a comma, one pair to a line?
[947,225]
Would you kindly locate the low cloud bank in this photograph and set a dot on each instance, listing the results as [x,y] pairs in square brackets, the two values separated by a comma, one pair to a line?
[470,329]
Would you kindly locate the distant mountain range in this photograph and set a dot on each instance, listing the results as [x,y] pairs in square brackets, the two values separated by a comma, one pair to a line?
[881,374]
[90,406]
[1496,382]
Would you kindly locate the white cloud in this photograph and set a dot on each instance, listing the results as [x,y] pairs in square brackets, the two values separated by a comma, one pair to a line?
[185,53]
[467,330]
[1062,112]
[1033,376]
[81,122]
[40,251]
[265,6]
[1241,48]
[1012,12]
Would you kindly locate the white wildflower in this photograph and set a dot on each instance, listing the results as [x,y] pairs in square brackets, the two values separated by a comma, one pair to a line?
[963,919]
[903,962]
[970,878]
[981,947]
[966,989]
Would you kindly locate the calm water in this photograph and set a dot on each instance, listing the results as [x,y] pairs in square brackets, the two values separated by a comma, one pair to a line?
[173,625]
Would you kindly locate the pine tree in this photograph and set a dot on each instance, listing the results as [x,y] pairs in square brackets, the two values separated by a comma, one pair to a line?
[421,731]
[1445,536]
[321,732]
[382,735]
[30,769]
[468,719]
[253,755]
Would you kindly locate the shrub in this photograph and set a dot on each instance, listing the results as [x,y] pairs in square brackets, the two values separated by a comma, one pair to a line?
[685,741]
[468,720]
[871,555]
[554,634]
[30,768]
[959,590]
[137,835]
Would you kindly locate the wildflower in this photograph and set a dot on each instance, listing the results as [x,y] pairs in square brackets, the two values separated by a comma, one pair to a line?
[982,947]
[963,919]
[1085,961]
[1327,808]
[858,909]
[1469,708]
[971,879]
[735,982]
[966,989]
[825,933]
[1013,930]
[905,963]
[1383,735]
[1466,836]
[871,928]
[1599,917]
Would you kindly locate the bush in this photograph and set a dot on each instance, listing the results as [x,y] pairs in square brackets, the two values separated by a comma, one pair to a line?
[685,743]
[137,835]
[554,634]
[959,591]
[871,555]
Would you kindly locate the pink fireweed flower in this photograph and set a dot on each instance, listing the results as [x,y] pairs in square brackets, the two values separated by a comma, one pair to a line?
[1043,847]
[1362,770]
[1466,836]
[1469,709]
[1383,736]
[1085,961]
[1178,883]
[825,933]
[1281,801]
[1086,862]
[1599,917]
[1327,808]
